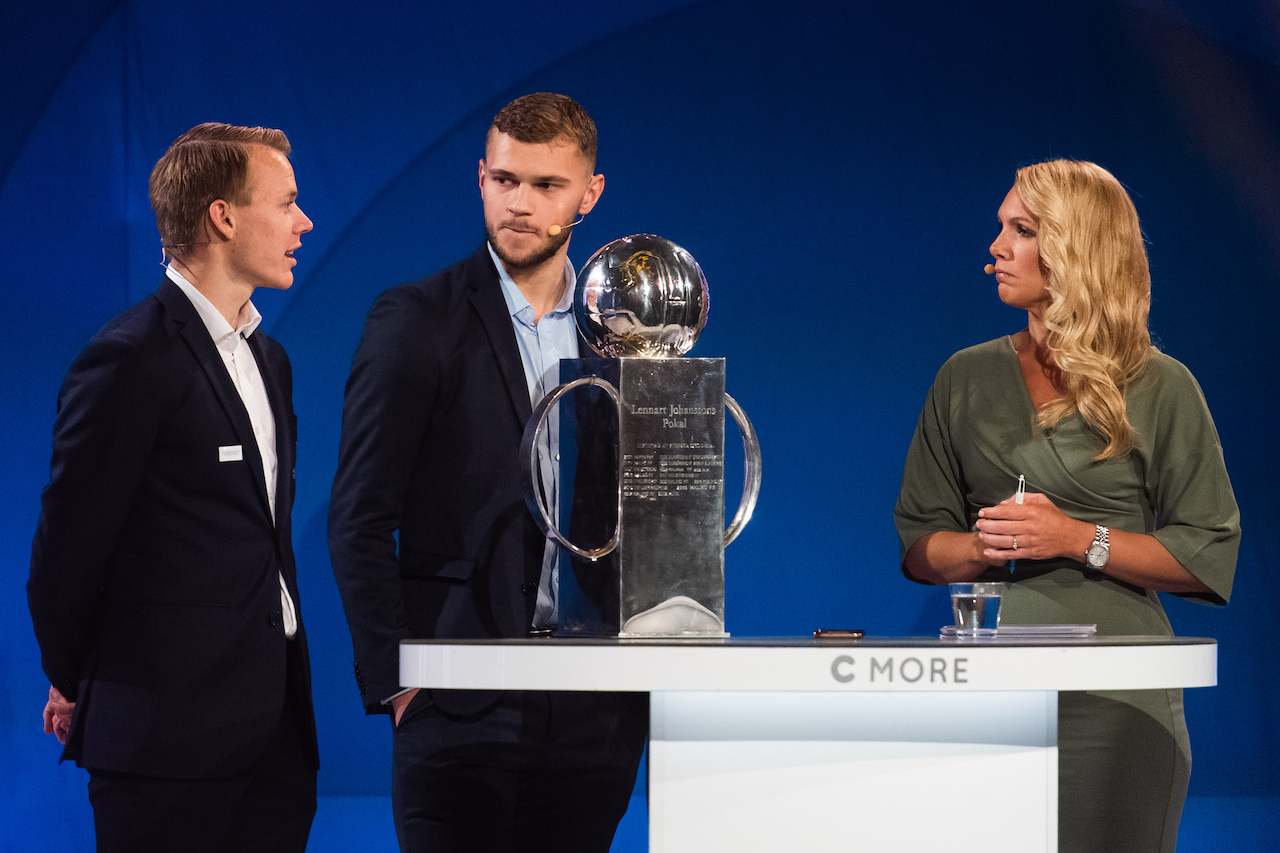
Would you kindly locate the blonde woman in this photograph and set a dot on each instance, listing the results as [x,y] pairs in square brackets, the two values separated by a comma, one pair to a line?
[1127,492]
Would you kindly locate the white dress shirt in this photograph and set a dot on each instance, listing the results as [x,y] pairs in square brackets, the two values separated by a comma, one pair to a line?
[542,344]
[233,346]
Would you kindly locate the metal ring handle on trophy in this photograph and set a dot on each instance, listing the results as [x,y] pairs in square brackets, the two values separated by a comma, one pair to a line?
[751,471]
[638,297]
[529,463]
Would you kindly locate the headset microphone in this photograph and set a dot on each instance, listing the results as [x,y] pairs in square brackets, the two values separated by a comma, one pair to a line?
[989,269]
[556,229]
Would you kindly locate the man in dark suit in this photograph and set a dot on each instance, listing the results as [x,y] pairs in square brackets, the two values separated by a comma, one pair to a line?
[163,588]
[440,389]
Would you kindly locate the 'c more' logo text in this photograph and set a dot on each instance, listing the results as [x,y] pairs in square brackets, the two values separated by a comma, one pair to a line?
[912,670]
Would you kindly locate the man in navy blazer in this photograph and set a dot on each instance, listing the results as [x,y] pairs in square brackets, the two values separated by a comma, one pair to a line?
[163,588]
[429,533]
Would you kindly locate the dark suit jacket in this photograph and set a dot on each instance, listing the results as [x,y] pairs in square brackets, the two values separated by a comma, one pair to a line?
[434,411]
[154,583]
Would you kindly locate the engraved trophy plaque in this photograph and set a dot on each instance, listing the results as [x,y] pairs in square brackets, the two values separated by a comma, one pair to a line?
[641,483]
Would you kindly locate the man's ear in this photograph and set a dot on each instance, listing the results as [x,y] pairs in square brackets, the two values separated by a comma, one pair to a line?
[594,188]
[221,220]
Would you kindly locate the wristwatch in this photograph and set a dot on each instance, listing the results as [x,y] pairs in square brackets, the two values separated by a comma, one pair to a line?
[1099,550]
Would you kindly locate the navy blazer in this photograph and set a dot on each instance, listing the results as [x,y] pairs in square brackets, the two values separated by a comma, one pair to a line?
[434,411]
[154,586]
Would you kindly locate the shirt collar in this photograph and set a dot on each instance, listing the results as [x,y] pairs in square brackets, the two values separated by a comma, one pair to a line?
[219,329]
[519,307]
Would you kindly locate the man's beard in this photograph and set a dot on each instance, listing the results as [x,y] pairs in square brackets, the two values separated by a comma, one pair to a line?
[535,258]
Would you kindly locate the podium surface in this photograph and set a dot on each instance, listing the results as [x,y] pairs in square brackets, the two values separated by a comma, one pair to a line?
[879,744]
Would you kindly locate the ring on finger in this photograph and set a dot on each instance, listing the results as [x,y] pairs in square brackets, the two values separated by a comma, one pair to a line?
[1015,543]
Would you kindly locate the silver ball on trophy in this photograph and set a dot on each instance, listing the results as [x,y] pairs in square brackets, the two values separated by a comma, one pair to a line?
[641,296]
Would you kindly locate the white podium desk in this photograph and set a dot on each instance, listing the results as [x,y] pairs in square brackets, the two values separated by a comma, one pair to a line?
[884,744]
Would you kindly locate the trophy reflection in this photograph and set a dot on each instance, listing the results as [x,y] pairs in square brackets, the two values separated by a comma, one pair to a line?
[641,453]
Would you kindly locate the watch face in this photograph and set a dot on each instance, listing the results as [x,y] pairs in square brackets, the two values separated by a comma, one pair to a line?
[1096,556]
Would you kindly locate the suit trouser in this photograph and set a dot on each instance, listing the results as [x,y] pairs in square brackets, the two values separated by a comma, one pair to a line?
[267,808]
[534,772]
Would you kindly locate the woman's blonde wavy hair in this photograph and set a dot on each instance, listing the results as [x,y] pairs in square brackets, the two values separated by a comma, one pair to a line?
[1095,264]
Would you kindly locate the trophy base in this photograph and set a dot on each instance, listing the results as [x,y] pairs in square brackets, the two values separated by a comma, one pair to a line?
[678,616]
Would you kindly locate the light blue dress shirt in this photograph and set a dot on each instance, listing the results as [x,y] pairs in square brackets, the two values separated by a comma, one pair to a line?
[542,344]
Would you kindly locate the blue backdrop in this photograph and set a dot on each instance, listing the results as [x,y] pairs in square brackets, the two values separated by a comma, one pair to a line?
[835,168]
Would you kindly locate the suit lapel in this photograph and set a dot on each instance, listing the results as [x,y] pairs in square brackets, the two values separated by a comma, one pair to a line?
[193,332]
[491,306]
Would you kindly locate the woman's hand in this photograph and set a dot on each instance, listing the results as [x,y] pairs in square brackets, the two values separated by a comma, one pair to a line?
[1032,530]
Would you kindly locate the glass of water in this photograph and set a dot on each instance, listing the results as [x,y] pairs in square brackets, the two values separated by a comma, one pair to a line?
[976,606]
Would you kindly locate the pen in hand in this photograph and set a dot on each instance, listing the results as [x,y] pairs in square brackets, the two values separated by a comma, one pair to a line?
[1018,497]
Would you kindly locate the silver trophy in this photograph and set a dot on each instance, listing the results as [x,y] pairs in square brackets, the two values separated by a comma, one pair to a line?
[641,448]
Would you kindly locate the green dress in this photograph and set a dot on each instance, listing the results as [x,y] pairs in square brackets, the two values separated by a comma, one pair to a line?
[1124,756]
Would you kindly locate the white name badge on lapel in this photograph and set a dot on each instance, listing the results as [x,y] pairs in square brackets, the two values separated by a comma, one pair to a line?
[230,453]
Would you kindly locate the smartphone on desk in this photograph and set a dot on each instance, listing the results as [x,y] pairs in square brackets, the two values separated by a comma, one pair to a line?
[837,634]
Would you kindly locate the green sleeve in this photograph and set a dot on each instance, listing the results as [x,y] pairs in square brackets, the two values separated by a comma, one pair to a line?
[1197,518]
[931,497]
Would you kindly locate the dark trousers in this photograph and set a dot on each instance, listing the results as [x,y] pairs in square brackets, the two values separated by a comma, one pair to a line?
[266,809]
[534,772]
